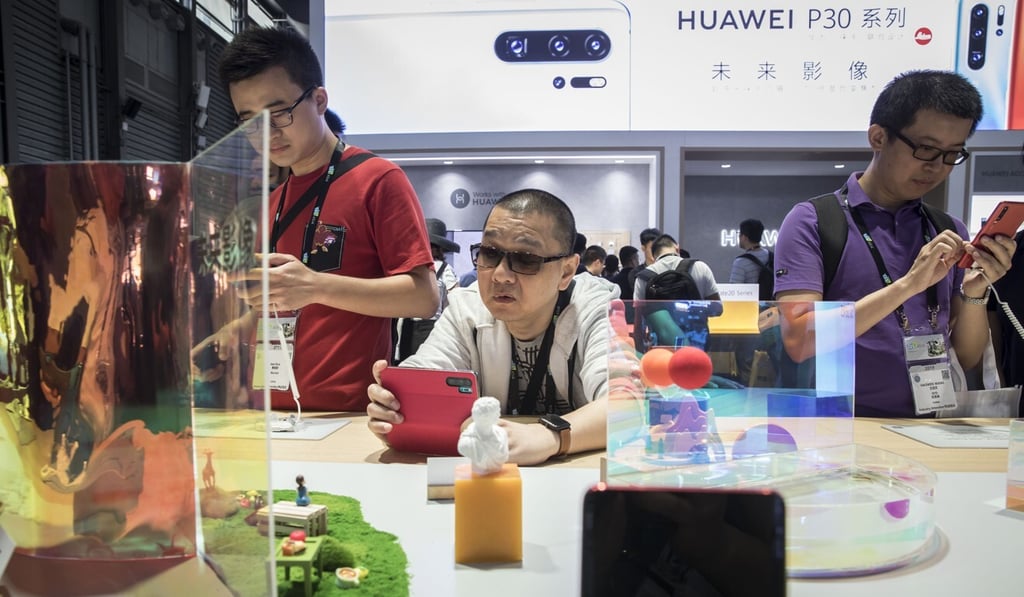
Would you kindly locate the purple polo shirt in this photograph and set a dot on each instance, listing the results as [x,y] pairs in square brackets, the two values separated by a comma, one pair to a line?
[882,386]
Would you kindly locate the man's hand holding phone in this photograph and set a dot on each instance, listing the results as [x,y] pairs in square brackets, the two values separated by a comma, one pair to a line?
[291,285]
[383,407]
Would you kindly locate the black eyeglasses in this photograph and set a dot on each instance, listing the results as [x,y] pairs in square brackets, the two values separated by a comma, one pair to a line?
[927,153]
[279,119]
[473,250]
[521,263]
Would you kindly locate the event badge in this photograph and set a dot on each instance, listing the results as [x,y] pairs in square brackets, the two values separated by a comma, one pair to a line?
[930,378]
[278,353]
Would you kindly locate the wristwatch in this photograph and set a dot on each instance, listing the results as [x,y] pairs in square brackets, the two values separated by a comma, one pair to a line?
[562,428]
[970,300]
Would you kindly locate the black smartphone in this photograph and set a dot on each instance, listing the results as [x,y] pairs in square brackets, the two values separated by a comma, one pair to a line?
[696,542]
[208,357]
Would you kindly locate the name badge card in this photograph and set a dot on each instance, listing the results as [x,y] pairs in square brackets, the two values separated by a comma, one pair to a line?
[280,350]
[930,377]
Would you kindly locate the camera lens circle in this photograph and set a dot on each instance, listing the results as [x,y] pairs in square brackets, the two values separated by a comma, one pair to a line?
[558,82]
[517,47]
[558,45]
[980,10]
[977,33]
[596,45]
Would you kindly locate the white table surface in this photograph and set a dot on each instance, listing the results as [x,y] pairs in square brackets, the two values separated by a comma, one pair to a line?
[981,557]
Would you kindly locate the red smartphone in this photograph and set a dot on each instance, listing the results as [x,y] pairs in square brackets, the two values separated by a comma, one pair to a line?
[1005,219]
[434,402]
[639,538]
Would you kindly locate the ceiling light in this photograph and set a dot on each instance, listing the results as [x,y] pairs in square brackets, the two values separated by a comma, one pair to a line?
[727,165]
[620,161]
[538,161]
[447,162]
[838,166]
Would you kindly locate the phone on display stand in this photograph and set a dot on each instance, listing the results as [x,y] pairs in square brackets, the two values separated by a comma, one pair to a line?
[683,541]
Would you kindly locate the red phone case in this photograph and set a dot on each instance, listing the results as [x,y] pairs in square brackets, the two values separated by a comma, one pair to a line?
[1005,219]
[434,404]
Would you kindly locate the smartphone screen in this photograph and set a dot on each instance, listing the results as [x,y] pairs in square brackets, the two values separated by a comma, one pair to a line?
[408,66]
[660,541]
[984,49]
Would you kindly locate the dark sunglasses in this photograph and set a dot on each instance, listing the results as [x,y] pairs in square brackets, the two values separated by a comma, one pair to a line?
[521,263]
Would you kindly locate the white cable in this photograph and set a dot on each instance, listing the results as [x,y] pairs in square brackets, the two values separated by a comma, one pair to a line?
[1005,307]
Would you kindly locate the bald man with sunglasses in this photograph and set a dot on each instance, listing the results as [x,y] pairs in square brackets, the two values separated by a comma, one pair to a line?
[527,304]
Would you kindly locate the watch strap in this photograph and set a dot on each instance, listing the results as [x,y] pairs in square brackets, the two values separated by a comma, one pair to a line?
[564,442]
[970,300]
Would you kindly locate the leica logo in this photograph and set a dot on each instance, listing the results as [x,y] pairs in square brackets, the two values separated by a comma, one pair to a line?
[923,36]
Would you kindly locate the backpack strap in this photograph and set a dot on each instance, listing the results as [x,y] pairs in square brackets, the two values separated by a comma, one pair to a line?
[939,219]
[685,266]
[440,270]
[759,263]
[832,231]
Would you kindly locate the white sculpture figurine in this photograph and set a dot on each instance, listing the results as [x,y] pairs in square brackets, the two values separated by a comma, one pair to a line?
[484,442]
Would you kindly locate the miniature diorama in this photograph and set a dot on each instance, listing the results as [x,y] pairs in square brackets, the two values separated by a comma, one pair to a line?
[729,395]
[488,492]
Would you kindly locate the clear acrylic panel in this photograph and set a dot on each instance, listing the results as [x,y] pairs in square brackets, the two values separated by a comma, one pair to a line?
[113,275]
[229,248]
[759,377]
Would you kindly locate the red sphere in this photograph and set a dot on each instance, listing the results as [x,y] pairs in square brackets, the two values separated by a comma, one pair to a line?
[654,367]
[690,368]
[297,536]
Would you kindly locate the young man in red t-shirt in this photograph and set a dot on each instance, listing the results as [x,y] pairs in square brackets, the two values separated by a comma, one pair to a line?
[354,255]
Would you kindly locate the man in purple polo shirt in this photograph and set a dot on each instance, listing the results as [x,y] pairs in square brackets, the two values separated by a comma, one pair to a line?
[919,128]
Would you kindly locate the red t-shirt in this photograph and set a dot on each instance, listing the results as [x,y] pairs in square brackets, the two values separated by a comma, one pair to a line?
[384,235]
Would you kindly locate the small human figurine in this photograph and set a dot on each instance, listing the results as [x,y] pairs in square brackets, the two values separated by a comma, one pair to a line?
[302,497]
[484,442]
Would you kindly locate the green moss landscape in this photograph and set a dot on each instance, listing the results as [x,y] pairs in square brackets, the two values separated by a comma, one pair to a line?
[238,550]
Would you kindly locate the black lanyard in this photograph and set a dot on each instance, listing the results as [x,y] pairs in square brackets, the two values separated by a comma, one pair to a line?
[318,191]
[932,293]
[525,405]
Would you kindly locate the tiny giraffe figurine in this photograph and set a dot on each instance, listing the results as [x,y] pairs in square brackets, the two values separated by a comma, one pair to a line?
[484,442]
[302,494]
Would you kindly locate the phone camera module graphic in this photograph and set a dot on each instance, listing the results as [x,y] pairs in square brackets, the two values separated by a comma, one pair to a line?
[459,382]
[567,45]
[979,37]
[558,82]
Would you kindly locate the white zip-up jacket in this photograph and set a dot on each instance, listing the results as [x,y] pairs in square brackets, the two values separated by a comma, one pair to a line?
[468,337]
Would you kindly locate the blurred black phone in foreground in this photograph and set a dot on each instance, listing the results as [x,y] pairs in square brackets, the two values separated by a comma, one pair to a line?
[653,541]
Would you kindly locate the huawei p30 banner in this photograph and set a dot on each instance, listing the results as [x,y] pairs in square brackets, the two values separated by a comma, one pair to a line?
[401,66]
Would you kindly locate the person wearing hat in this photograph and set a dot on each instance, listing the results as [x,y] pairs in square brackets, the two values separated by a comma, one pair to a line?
[411,332]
